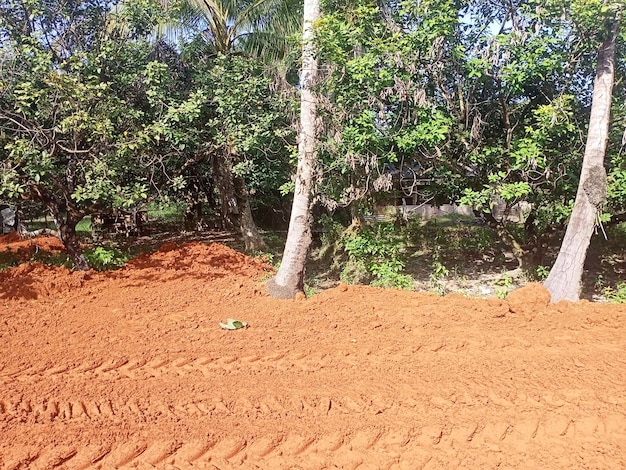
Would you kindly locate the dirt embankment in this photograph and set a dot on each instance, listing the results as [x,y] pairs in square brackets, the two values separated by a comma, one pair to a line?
[130,369]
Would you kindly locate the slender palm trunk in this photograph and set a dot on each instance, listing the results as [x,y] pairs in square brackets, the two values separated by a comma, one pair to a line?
[290,277]
[564,280]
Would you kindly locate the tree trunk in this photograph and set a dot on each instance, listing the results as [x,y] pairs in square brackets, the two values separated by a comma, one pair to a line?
[194,216]
[564,280]
[235,204]
[194,213]
[290,277]
[252,239]
[67,233]
[228,200]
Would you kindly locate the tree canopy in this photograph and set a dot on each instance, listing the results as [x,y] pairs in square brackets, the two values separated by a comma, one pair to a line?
[108,105]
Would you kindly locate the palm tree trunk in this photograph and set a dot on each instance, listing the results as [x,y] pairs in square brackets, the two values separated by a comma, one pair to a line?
[564,280]
[290,277]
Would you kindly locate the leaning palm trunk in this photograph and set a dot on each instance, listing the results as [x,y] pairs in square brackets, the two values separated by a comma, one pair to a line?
[564,280]
[290,277]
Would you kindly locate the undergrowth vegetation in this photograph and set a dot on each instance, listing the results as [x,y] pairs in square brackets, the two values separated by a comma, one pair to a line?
[375,252]
[440,256]
[105,259]
[616,295]
[444,256]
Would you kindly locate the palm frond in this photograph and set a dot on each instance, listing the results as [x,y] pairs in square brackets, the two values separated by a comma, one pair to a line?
[232,24]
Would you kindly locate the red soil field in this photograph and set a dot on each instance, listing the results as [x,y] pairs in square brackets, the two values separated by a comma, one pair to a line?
[130,369]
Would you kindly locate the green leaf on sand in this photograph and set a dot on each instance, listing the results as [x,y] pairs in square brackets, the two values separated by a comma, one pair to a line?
[232,324]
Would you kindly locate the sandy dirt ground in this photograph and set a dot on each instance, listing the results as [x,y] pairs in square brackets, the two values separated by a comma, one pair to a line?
[130,369]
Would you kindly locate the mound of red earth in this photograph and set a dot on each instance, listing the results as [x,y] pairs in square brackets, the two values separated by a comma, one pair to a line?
[26,247]
[131,369]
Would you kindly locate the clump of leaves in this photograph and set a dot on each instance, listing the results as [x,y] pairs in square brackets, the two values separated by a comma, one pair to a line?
[505,285]
[438,274]
[617,295]
[376,250]
[541,272]
[106,259]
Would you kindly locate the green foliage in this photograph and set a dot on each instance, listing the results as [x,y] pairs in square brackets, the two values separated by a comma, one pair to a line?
[535,160]
[374,107]
[106,259]
[80,118]
[310,291]
[355,272]
[8,259]
[166,211]
[504,287]
[53,259]
[245,123]
[616,184]
[457,238]
[96,114]
[616,295]
[438,274]
[332,230]
[485,115]
[542,272]
[376,250]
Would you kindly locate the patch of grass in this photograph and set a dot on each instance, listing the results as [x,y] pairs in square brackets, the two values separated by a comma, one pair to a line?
[8,259]
[166,212]
[310,291]
[458,238]
[52,259]
[264,257]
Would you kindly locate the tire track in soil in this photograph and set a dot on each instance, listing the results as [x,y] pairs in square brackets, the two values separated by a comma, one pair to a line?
[38,410]
[141,368]
[287,361]
[374,447]
[44,410]
[386,446]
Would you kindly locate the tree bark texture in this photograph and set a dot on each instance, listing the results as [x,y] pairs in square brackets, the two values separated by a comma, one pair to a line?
[66,216]
[67,233]
[222,170]
[252,239]
[290,277]
[235,204]
[564,280]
